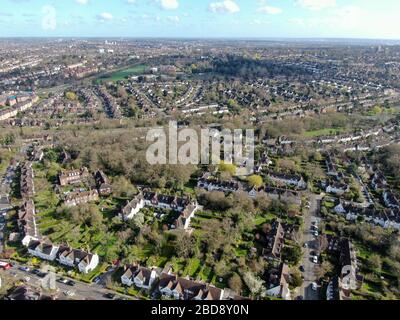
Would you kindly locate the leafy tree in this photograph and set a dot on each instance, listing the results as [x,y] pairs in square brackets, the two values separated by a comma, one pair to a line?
[255,181]
[254,283]
[292,254]
[70,95]
[227,167]
[296,280]
[235,283]
[374,262]
[184,245]
[323,269]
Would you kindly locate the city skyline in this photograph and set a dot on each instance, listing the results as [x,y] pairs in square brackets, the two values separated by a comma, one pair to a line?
[201,19]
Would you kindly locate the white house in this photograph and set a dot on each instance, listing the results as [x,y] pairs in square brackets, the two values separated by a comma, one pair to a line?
[289,179]
[278,284]
[132,208]
[337,188]
[88,263]
[390,200]
[141,277]
[43,250]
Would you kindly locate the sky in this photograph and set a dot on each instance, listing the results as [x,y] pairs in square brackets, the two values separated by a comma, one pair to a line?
[369,19]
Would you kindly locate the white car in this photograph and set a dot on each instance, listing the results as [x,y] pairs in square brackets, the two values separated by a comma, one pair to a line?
[69,293]
[314,286]
[316,233]
[315,259]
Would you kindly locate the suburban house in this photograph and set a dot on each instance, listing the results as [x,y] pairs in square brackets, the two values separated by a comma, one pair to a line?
[16,107]
[273,242]
[185,217]
[390,200]
[84,261]
[378,181]
[72,176]
[88,263]
[26,181]
[132,208]
[102,183]
[288,179]
[43,250]
[348,264]
[386,218]
[27,222]
[167,202]
[278,282]
[337,188]
[215,184]
[330,167]
[182,205]
[141,277]
[75,198]
[184,289]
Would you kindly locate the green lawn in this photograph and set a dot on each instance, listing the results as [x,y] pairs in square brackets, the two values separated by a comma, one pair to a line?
[324,132]
[123,74]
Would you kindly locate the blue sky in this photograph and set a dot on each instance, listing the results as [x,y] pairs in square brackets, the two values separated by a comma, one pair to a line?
[201,18]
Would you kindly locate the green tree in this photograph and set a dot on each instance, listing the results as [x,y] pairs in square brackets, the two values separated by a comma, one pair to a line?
[255,181]
[227,167]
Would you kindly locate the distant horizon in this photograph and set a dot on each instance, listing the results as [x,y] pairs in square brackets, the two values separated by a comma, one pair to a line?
[215,19]
[208,38]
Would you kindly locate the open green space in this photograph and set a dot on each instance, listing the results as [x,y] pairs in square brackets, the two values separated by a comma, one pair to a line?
[123,74]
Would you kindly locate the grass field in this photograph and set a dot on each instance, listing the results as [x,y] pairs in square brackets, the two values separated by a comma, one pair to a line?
[123,74]
[324,132]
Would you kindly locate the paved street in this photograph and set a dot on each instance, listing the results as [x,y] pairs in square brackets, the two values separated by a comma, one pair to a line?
[308,238]
[81,290]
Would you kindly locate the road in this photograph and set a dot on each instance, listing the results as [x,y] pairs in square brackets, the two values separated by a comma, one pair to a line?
[81,290]
[308,238]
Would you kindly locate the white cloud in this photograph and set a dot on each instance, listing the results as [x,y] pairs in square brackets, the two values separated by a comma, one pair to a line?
[270,10]
[49,20]
[174,19]
[259,22]
[347,18]
[105,16]
[82,1]
[316,5]
[227,6]
[168,4]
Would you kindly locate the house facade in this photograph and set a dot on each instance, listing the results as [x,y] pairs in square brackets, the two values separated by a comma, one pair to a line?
[43,250]
[72,176]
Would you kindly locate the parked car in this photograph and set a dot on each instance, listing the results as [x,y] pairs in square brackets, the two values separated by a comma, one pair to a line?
[302,268]
[97,279]
[314,286]
[109,295]
[26,269]
[62,280]
[5,265]
[315,259]
[70,283]
[69,293]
